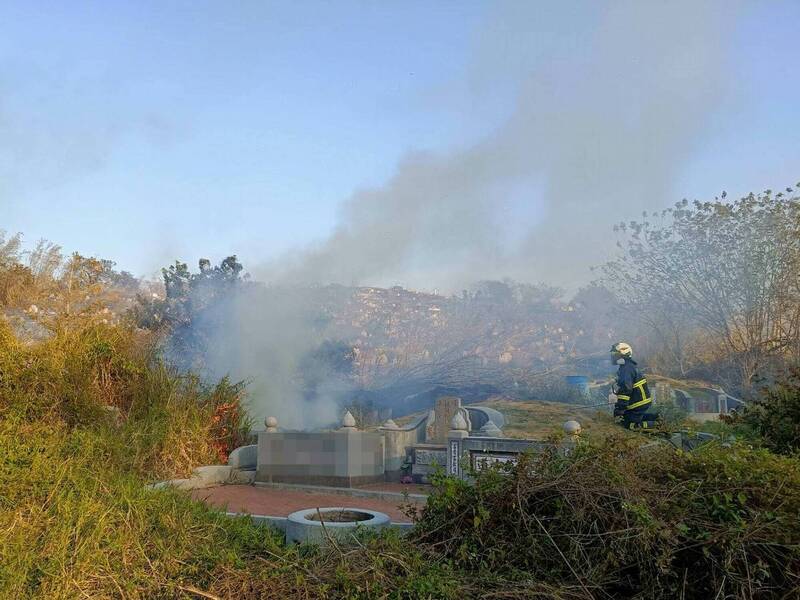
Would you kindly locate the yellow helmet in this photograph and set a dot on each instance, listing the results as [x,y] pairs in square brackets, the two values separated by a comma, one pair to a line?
[622,349]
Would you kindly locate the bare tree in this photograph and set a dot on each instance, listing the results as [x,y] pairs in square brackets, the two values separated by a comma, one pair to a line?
[727,270]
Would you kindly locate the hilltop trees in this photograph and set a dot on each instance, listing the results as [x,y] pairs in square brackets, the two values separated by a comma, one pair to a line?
[717,284]
[195,304]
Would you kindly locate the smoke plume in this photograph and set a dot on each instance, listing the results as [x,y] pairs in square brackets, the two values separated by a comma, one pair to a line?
[609,101]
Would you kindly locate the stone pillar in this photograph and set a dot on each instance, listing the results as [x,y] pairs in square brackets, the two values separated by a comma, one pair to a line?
[458,431]
[394,451]
[446,408]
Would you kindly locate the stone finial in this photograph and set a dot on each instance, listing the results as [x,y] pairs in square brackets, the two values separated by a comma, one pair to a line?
[458,422]
[490,430]
[572,428]
[389,424]
[348,421]
[272,424]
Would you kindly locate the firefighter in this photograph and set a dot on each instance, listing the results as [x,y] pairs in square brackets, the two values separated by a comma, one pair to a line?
[630,394]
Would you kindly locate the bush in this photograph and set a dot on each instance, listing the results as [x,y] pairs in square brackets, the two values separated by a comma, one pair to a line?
[775,416]
[616,520]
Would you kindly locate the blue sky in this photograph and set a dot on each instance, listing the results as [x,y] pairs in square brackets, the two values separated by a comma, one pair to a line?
[145,132]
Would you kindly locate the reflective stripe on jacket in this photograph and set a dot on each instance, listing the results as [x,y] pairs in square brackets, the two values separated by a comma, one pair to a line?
[632,390]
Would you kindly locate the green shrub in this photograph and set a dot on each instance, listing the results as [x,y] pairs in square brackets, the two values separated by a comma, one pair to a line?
[616,520]
[775,416]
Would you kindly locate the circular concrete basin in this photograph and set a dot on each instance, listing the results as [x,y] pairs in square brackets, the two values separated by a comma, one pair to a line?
[318,525]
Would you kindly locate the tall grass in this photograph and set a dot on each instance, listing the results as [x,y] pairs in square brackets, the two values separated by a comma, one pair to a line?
[86,418]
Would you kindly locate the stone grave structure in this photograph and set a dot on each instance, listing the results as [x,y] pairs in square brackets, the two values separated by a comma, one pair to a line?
[343,458]
[347,457]
[445,409]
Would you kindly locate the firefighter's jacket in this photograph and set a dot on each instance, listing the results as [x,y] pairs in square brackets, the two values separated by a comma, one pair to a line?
[633,395]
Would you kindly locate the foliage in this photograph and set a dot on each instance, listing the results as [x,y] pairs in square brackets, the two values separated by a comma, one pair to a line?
[88,417]
[230,424]
[41,289]
[775,415]
[194,307]
[617,520]
[84,375]
[717,283]
[77,520]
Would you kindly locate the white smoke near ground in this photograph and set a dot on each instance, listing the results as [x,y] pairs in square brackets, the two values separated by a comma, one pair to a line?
[611,100]
[263,335]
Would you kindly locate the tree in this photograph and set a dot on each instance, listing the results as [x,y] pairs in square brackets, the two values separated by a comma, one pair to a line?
[727,271]
[195,305]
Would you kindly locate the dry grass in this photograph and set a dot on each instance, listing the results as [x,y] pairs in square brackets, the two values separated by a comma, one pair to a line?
[539,420]
[614,520]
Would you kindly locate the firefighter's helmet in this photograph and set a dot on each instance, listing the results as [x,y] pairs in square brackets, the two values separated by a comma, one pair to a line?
[622,349]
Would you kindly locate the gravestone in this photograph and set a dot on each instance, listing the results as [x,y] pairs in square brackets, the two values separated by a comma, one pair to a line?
[445,409]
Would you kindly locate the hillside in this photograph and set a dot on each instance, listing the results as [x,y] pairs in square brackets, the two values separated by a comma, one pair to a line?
[497,326]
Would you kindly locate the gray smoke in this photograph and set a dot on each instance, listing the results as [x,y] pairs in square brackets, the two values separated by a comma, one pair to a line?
[611,100]
[264,335]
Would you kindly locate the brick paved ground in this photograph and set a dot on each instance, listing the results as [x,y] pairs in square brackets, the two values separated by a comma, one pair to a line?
[399,488]
[282,502]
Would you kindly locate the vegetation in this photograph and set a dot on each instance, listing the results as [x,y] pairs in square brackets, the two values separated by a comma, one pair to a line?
[44,280]
[775,416]
[194,306]
[538,420]
[618,520]
[714,285]
[90,413]
[77,519]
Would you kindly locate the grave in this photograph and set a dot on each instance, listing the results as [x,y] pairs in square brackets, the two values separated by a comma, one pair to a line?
[349,457]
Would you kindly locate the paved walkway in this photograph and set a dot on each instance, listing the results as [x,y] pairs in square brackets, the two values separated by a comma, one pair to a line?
[282,502]
[398,488]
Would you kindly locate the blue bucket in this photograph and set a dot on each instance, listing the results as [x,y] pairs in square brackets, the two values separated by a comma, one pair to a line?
[579,382]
